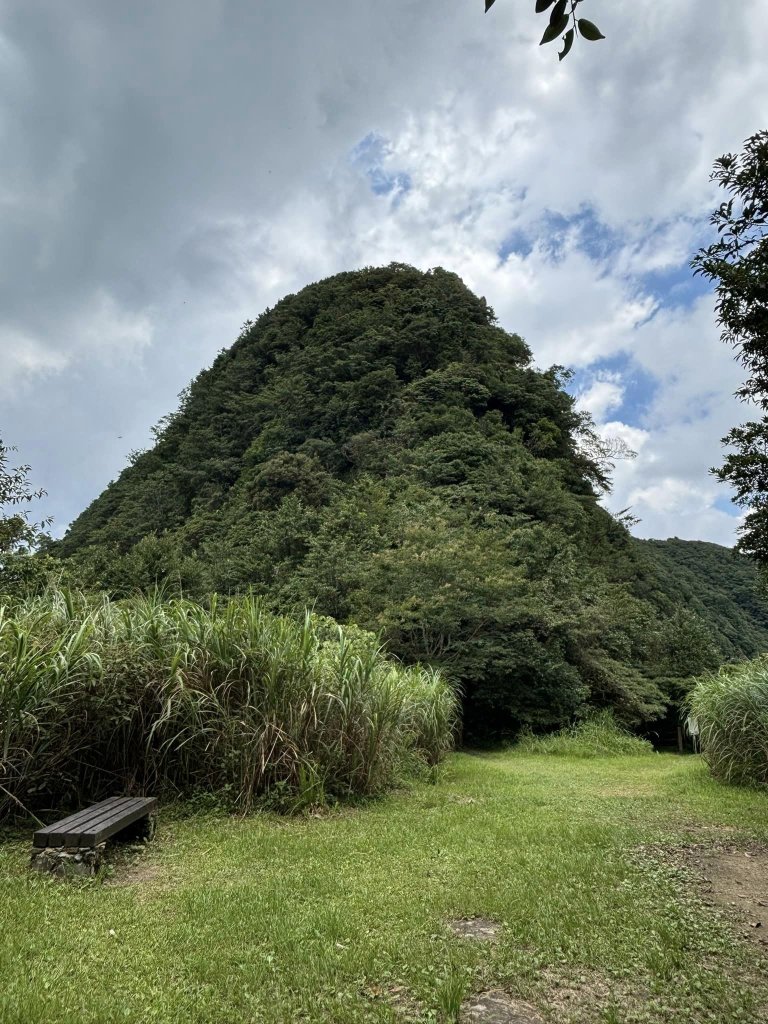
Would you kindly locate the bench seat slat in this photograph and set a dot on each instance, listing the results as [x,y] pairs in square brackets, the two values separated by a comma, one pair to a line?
[99,814]
[69,836]
[106,817]
[74,820]
[94,824]
[78,815]
[105,829]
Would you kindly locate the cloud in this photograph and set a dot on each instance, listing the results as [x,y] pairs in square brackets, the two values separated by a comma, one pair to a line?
[102,332]
[167,171]
[605,394]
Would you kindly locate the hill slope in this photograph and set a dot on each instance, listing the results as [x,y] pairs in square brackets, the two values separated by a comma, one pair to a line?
[718,584]
[376,446]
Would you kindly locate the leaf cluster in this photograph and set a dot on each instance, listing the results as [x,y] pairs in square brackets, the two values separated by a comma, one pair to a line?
[737,263]
[562,13]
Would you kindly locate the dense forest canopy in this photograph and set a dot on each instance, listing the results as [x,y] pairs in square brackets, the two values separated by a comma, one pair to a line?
[378,448]
[718,585]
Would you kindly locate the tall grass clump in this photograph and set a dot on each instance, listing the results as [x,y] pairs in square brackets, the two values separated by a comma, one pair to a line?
[98,697]
[599,735]
[730,708]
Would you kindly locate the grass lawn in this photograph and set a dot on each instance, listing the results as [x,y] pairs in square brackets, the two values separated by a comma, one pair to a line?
[344,917]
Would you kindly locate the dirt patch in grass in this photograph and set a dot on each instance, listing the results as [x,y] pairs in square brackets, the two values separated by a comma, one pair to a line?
[587,996]
[133,867]
[135,874]
[398,997]
[497,1008]
[481,929]
[736,879]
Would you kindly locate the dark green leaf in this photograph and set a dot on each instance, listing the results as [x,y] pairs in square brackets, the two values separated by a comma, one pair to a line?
[567,44]
[590,31]
[557,12]
[553,31]
[542,5]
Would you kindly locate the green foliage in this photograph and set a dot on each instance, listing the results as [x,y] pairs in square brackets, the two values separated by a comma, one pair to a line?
[19,536]
[562,13]
[718,587]
[731,711]
[738,262]
[169,696]
[378,449]
[599,735]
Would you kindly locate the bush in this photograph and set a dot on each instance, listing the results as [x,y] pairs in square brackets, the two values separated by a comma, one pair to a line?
[600,735]
[731,711]
[99,697]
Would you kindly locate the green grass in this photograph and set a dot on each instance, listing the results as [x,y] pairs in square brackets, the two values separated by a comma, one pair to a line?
[600,735]
[343,917]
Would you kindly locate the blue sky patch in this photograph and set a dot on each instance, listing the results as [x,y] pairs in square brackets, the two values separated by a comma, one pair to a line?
[553,230]
[724,504]
[640,387]
[675,286]
[371,155]
[517,242]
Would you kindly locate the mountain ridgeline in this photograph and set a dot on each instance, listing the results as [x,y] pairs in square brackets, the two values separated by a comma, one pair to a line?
[378,448]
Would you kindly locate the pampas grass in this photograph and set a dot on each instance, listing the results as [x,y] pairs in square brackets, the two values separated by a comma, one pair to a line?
[98,697]
[731,711]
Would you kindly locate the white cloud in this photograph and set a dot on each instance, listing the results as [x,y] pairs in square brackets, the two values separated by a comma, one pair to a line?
[24,356]
[199,170]
[101,331]
[605,394]
[635,438]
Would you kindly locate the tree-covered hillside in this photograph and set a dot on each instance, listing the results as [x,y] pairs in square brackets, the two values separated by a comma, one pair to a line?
[377,447]
[720,585]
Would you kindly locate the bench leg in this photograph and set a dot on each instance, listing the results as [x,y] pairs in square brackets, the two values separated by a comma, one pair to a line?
[68,861]
[142,830]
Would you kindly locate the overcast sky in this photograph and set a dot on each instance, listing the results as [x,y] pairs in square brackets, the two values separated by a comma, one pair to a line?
[168,168]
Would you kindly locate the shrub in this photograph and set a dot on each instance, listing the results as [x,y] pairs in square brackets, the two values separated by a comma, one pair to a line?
[600,735]
[98,697]
[730,708]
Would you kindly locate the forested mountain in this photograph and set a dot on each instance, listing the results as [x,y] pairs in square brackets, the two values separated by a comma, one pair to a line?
[377,447]
[718,584]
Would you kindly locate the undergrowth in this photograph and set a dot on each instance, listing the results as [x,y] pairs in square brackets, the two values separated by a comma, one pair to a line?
[600,735]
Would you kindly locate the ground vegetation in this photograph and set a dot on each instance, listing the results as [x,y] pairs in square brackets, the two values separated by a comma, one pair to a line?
[729,710]
[584,871]
[168,697]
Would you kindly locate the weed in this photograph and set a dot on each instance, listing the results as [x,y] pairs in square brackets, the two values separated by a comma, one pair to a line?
[450,993]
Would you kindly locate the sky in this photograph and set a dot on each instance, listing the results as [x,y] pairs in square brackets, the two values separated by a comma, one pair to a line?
[168,170]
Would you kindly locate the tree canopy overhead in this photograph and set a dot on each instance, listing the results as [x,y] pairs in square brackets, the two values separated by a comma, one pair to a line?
[19,534]
[738,264]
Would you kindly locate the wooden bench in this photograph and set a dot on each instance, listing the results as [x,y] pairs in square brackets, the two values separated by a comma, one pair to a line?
[75,844]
